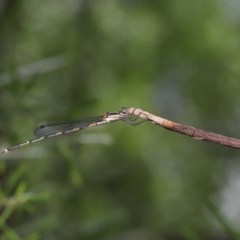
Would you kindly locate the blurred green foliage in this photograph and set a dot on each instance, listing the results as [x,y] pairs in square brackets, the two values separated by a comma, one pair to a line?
[66,60]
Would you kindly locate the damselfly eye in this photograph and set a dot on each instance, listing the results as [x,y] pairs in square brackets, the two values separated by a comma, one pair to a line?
[124,110]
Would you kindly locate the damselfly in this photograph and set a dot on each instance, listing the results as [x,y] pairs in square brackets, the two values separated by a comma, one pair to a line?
[54,130]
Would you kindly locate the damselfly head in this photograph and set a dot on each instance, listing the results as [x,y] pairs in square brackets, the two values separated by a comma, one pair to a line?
[123,110]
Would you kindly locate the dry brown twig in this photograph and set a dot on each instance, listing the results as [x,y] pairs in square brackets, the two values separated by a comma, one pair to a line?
[190,131]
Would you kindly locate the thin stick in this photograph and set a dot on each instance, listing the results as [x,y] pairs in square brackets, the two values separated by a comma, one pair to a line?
[190,131]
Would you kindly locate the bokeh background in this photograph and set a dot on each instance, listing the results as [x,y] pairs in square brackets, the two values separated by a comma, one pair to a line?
[66,60]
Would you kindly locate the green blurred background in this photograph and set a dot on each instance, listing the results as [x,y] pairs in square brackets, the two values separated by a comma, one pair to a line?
[66,60]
